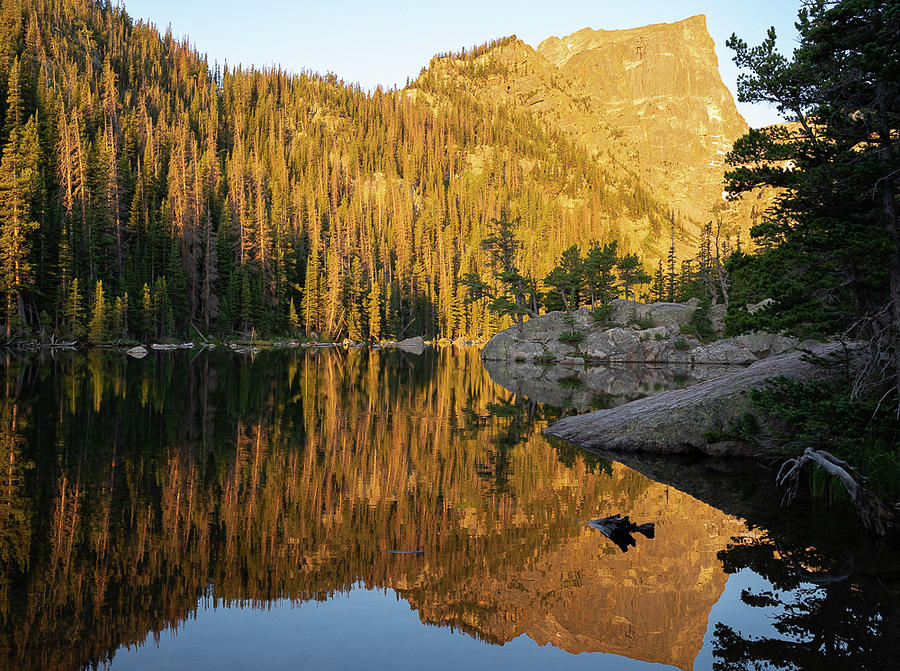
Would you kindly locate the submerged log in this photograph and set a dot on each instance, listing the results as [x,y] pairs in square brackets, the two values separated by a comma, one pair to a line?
[619,530]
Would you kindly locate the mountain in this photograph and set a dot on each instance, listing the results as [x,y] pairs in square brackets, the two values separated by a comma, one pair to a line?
[144,194]
[660,87]
[649,100]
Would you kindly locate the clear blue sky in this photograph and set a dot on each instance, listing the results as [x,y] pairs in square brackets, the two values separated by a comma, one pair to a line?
[385,41]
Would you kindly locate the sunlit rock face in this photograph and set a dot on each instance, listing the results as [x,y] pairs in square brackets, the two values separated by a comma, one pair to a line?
[660,87]
[651,603]
[648,103]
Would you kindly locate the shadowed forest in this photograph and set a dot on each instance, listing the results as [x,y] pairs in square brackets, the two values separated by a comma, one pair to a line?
[150,190]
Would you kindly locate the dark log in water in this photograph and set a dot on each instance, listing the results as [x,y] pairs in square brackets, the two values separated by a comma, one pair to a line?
[619,530]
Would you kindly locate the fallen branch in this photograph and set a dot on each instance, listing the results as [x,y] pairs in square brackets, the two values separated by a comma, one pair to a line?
[619,530]
[876,515]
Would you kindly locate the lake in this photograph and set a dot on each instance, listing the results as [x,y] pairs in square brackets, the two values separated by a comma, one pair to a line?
[345,509]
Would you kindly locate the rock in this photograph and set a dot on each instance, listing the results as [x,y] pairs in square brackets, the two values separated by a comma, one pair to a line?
[414,345]
[692,419]
[459,342]
[586,388]
[161,346]
[539,338]
[138,352]
[656,314]
[662,86]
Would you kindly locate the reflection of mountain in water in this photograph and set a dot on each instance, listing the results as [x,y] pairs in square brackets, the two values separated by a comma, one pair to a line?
[586,388]
[585,595]
[132,488]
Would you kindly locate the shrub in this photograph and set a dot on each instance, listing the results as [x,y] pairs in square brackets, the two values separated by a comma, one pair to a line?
[641,321]
[571,337]
[603,314]
[700,325]
[822,415]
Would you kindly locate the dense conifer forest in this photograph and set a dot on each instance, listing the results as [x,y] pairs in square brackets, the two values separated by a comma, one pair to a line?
[146,193]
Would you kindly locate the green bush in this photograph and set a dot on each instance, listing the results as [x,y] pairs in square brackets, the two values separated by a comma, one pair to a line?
[641,321]
[700,325]
[603,314]
[571,337]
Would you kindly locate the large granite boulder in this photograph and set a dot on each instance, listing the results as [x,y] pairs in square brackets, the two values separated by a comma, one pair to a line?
[414,345]
[633,332]
[697,418]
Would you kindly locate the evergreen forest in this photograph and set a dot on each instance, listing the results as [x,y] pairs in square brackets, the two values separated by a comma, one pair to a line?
[148,194]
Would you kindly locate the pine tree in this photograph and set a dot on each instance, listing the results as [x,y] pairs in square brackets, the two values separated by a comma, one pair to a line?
[374,309]
[671,275]
[19,174]
[567,278]
[631,272]
[148,320]
[658,288]
[293,318]
[599,276]
[246,304]
[74,310]
[97,328]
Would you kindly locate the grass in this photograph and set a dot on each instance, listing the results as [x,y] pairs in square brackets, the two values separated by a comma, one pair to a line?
[823,416]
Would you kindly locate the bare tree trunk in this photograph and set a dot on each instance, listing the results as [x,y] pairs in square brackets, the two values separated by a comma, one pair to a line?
[720,272]
[888,186]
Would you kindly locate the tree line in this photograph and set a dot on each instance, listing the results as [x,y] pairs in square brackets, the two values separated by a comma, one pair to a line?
[146,193]
[595,276]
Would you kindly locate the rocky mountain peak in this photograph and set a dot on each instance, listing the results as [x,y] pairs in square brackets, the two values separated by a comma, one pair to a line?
[649,100]
[559,50]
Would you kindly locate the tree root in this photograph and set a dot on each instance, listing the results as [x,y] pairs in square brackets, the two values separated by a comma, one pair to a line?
[875,514]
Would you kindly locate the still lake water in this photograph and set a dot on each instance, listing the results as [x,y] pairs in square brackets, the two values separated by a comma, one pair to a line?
[213,511]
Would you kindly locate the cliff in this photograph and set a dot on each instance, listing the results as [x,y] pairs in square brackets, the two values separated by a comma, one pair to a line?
[647,103]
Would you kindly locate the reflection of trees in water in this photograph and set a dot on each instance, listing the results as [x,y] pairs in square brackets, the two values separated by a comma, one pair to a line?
[287,477]
[841,612]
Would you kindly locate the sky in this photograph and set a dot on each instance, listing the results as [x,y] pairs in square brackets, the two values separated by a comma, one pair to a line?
[384,42]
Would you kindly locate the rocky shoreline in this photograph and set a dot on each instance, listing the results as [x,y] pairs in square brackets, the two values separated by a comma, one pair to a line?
[632,332]
[415,345]
[701,418]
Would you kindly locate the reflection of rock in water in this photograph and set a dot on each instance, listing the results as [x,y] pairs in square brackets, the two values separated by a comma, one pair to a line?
[586,388]
[651,604]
